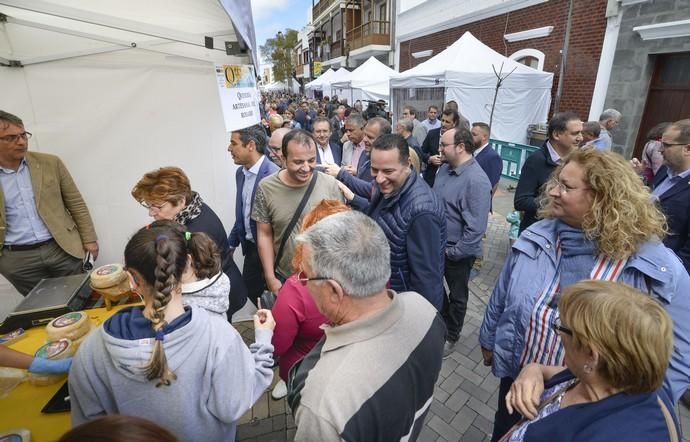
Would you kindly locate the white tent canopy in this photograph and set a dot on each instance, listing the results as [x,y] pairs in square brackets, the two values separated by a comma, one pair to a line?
[341,74]
[370,81]
[278,86]
[317,84]
[119,88]
[466,71]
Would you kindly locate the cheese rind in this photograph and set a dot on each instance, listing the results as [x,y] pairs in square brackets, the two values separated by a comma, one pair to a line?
[108,276]
[72,325]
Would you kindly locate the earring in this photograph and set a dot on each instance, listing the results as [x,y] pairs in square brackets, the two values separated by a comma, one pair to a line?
[587,368]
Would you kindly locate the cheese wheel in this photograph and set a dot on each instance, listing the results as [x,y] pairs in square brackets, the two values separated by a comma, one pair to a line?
[16,435]
[64,348]
[72,325]
[108,276]
[79,341]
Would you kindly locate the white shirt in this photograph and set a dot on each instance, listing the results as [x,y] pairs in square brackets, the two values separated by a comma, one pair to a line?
[476,152]
[247,191]
[554,155]
[326,155]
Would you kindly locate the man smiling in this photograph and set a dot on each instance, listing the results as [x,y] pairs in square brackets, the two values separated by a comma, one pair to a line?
[412,216]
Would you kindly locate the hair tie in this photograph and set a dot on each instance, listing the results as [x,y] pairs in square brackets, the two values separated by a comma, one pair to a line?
[161,238]
[187,235]
[160,334]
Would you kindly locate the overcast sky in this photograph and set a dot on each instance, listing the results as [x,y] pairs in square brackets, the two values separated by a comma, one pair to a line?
[271,16]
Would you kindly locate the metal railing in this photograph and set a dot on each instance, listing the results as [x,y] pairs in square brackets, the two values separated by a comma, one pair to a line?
[321,7]
[375,32]
[513,156]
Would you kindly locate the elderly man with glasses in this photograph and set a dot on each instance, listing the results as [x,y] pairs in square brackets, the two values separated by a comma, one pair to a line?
[380,345]
[45,226]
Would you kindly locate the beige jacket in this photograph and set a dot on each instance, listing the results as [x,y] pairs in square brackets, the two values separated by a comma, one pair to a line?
[58,202]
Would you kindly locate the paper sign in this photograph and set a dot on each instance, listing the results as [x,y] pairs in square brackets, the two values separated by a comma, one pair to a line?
[317,68]
[239,96]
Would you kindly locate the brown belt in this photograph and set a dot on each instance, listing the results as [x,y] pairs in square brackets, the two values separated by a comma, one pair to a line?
[23,247]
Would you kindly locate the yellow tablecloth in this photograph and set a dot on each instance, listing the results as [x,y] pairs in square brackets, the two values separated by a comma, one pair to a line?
[22,408]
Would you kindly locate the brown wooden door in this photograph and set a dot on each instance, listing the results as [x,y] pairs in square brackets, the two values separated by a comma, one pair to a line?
[669,95]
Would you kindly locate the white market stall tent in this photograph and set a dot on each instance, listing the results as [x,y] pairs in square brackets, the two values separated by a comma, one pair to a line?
[317,84]
[464,72]
[119,88]
[279,86]
[370,81]
[341,74]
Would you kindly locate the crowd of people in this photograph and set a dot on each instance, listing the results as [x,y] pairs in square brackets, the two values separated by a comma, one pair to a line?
[367,232]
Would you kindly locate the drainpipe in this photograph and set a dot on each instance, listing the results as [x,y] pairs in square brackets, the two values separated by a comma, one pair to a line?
[564,57]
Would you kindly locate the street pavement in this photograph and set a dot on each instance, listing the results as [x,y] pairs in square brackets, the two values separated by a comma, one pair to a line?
[465,397]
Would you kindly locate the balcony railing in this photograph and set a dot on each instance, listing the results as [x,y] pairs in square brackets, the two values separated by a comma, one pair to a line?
[299,70]
[320,7]
[375,32]
[336,49]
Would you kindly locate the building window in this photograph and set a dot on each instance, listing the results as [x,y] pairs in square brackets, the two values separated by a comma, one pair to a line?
[530,57]
[382,12]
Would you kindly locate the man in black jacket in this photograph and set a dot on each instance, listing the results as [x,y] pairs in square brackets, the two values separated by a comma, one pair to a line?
[564,135]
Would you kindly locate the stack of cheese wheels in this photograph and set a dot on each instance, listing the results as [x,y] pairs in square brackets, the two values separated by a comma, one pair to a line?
[63,348]
[110,281]
[73,326]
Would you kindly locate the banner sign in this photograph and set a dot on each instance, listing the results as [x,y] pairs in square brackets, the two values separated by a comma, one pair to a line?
[239,96]
[317,68]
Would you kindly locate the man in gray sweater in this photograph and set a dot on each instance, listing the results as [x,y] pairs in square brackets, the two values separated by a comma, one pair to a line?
[466,190]
[373,376]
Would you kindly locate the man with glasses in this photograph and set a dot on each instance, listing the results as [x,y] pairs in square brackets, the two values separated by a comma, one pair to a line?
[275,143]
[564,136]
[327,152]
[463,186]
[671,187]
[396,339]
[247,147]
[45,226]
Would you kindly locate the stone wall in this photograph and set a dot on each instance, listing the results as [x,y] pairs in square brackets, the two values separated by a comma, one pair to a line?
[633,64]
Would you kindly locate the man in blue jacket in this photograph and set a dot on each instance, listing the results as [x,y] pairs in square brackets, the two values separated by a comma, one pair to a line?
[489,160]
[411,215]
[246,147]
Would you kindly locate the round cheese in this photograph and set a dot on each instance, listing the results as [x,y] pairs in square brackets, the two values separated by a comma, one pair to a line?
[72,325]
[64,348]
[79,341]
[107,276]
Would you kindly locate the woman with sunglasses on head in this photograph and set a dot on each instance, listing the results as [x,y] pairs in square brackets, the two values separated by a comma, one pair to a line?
[599,223]
[181,367]
[617,344]
[167,194]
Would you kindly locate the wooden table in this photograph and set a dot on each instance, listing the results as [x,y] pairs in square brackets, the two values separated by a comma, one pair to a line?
[22,408]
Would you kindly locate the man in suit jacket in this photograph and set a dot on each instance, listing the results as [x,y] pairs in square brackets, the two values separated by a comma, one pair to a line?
[326,151]
[338,126]
[430,154]
[489,160]
[45,226]
[671,186]
[246,147]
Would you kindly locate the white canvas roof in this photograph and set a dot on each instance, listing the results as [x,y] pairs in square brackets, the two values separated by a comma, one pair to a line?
[281,86]
[370,81]
[466,71]
[117,88]
[46,30]
[317,84]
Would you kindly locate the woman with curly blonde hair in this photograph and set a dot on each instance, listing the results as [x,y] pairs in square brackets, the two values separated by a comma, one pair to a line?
[600,224]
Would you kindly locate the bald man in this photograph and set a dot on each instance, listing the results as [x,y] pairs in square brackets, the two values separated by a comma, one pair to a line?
[275,144]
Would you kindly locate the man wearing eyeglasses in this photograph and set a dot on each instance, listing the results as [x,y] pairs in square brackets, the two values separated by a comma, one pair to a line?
[373,376]
[671,187]
[45,226]
[353,149]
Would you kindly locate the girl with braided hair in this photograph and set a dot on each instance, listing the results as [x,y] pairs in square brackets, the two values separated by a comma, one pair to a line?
[179,366]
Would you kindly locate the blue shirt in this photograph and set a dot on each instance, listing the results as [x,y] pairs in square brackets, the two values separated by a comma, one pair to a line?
[430,126]
[247,191]
[600,143]
[466,191]
[24,225]
[669,182]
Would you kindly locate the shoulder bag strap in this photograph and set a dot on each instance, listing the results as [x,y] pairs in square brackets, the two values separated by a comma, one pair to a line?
[294,219]
[670,423]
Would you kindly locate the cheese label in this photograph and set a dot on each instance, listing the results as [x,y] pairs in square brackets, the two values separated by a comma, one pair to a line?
[67,319]
[52,349]
[108,270]
[11,438]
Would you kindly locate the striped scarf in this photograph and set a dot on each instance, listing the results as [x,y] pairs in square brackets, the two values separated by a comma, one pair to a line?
[542,344]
